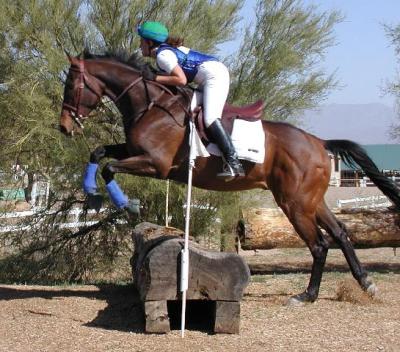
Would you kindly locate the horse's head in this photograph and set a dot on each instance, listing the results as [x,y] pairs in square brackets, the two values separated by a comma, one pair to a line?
[82,93]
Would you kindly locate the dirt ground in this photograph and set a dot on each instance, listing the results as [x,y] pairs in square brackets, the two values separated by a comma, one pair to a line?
[110,318]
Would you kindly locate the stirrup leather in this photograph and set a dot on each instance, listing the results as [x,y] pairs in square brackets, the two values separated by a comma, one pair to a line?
[230,171]
[227,171]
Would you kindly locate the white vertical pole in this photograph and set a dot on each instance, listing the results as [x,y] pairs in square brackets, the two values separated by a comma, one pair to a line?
[166,205]
[34,194]
[47,192]
[185,250]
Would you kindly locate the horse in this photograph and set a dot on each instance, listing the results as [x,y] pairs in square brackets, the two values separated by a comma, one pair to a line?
[296,167]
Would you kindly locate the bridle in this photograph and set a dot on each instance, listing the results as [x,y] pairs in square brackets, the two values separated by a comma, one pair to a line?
[75,110]
[85,79]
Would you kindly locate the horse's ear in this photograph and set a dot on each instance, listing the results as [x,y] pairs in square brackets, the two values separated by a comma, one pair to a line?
[68,56]
[72,59]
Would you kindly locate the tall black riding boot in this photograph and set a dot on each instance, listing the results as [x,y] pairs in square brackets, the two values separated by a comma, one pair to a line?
[224,142]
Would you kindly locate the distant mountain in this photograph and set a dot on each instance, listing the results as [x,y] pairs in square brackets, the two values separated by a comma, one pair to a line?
[362,123]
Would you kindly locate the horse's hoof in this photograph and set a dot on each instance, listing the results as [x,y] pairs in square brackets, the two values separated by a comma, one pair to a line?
[394,208]
[133,207]
[372,290]
[94,201]
[300,299]
[295,302]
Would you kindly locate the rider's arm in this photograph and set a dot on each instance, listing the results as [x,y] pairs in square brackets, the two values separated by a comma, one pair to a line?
[168,62]
[175,78]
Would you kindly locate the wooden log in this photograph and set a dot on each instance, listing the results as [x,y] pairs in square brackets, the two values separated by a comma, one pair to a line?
[156,315]
[215,276]
[262,228]
[227,317]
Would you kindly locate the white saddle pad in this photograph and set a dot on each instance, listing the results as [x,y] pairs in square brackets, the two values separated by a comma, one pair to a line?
[248,139]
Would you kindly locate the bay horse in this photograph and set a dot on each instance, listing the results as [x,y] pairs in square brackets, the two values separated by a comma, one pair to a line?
[296,168]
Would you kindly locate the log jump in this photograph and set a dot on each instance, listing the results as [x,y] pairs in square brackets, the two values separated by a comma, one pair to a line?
[213,276]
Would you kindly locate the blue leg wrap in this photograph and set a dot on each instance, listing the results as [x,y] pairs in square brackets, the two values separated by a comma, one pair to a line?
[89,180]
[119,199]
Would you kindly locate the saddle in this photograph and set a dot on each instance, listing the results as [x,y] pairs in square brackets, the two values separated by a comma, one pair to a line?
[251,112]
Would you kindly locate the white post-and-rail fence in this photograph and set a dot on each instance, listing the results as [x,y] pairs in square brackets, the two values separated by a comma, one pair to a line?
[74,223]
[364,202]
[337,181]
[357,202]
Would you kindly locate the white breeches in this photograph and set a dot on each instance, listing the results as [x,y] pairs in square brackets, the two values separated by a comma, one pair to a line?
[213,81]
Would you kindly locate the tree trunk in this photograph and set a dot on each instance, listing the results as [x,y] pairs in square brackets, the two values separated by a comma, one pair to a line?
[263,228]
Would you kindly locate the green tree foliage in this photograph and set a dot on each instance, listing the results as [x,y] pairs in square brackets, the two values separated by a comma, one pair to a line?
[115,21]
[280,55]
[278,61]
[393,87]
[34,35]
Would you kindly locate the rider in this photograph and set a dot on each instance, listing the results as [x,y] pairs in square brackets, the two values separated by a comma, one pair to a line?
[183,65]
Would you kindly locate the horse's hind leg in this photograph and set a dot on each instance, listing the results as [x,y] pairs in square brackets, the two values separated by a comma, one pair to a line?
[337,230]
[306,226]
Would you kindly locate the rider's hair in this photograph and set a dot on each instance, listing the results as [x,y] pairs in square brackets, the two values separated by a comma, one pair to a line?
[174,41]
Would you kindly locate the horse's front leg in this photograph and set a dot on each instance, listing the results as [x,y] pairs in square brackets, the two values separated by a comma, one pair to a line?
[116,151]
[142,165]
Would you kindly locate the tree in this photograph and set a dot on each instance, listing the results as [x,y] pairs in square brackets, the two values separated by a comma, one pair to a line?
[116,21]
[279,58]
[393,33]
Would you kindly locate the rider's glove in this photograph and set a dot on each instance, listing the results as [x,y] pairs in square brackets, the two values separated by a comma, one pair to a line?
[148,74]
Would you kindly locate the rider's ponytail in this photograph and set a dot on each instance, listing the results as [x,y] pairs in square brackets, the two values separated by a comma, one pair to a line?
[174,41]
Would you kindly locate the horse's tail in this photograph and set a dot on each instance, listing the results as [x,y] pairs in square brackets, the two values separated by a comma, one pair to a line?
[352,153]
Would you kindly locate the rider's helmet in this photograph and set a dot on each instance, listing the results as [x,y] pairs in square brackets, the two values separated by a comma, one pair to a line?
[155,31]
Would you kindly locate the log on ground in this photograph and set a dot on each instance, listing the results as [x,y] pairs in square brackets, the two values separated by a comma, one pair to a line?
[262,228]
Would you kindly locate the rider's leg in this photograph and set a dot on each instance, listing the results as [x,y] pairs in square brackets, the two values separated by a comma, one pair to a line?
[215,77]
[224,142]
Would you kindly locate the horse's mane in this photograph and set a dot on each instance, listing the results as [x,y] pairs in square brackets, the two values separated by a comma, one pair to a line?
[133,60]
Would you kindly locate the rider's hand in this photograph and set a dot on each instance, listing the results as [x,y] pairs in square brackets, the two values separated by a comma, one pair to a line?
[148,74]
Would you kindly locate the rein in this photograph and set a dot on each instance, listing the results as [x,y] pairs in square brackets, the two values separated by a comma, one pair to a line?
[154,102]
[84,79]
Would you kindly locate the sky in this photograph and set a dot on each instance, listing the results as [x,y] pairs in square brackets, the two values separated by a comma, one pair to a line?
[363,57]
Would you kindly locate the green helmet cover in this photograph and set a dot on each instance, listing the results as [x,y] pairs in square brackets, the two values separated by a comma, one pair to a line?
[154,31]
